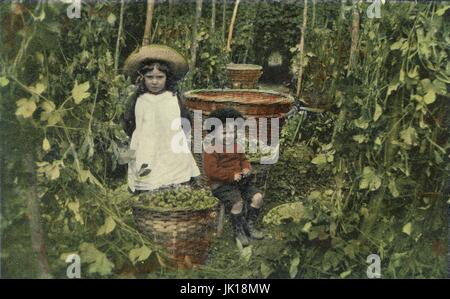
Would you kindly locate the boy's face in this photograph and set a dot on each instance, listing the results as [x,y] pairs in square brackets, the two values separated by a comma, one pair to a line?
[155,81]
[228,134]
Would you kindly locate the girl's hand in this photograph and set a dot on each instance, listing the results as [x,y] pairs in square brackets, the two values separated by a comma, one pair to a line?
[237,177]
[144,171]
[245,171]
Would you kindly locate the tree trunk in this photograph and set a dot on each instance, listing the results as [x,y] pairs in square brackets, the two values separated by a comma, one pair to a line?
[230,30]
[213,17]
[301,48]
[119,36]
[37,239]
[148,22]
[198,14]
[355,37]
[224,19]
[313,22]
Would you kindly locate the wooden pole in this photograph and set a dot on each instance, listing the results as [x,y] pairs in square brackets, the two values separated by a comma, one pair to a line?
[213,17]
[119,36]
[224,19]
[313,22]
[355,37]
[301,48]
[37,238]
[198,14]
[148,22]
[230,30]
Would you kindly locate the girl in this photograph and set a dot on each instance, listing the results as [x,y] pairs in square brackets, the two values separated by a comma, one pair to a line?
[161,155]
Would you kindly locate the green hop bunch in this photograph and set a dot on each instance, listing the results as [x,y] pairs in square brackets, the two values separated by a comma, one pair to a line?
[179,198]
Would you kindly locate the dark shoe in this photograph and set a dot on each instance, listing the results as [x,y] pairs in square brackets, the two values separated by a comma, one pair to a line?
[238,223]
[252,219]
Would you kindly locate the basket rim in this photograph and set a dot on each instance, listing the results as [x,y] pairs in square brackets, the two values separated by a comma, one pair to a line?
[194,94]
[243,67]
[175,210]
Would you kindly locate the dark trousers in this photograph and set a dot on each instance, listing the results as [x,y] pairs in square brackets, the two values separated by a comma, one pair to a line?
[231,193]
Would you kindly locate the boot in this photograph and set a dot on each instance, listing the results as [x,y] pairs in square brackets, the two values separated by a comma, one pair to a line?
[252,219]
[238,223]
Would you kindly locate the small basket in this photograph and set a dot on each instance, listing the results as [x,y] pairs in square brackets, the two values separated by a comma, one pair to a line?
[316,103]
[244,76]
[186,234]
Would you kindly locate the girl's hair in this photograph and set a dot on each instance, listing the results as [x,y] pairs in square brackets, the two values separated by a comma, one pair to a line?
[171,85]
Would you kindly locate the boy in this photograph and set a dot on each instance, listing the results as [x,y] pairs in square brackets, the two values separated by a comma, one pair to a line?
[228,176]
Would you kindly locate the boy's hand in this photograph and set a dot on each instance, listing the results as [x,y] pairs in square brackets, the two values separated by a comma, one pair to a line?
[237,177]
[245,171]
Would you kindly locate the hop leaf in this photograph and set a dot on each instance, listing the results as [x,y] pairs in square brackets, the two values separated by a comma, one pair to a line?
[74,206]
[45,145]
[38,88]
[319,159]
[139,254]
[370,180]
[51,171]
[409,136]
[107,227]
[393,188]
[246,253]
[98,261]
[49,114]
[345,274]
[3,81]
[293,270]
[48,106]
[25,107]
[111,18]
[378,112]
[407,228]
[265,270]
[80,92]
[442,10]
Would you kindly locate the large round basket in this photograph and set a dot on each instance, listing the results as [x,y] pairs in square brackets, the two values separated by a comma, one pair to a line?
[243,75]
[266,106]
[251,103]
[185,235]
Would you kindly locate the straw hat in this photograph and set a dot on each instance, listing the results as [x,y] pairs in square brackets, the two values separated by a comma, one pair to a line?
[176,62]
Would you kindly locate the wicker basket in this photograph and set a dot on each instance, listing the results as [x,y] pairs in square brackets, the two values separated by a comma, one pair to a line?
[316,103]
[185,234]
[251,103]
[243,75]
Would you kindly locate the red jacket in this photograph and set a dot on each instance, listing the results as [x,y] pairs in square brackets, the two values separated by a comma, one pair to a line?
[221,167]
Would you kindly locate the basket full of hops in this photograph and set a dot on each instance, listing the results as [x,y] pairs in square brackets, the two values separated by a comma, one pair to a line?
[182,220]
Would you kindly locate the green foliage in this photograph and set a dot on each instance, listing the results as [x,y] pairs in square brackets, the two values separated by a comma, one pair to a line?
[179,198]
[387,144]
[366,177]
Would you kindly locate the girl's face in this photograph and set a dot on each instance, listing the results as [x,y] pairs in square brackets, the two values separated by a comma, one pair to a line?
[155,80]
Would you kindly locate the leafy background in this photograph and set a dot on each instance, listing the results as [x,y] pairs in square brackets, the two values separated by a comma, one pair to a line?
[366,176]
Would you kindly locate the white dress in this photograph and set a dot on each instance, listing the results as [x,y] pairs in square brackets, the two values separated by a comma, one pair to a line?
[159,141]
